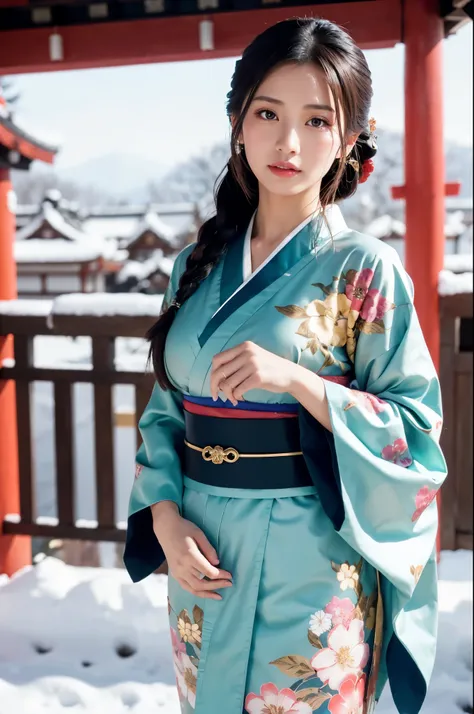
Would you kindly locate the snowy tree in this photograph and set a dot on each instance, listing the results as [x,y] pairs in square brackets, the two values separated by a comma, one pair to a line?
[193,179]
[31,186]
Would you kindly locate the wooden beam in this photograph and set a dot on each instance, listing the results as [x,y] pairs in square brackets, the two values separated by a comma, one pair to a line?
[373,24]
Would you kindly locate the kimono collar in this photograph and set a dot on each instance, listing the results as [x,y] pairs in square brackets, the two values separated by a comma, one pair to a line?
[238,286]
[332,223]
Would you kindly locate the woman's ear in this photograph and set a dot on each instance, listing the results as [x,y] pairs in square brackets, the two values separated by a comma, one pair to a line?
[349,145]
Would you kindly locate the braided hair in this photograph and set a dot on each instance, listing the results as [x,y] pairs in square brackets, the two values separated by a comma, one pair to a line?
[302,41]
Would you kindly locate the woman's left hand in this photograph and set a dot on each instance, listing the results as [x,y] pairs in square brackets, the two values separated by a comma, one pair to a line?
[248,366]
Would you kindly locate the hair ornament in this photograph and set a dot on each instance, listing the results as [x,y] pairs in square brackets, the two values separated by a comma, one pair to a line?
[354,163]
[367,168]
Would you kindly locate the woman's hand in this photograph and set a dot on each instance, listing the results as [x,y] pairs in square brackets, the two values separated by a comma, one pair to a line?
[188,552]
[249,366]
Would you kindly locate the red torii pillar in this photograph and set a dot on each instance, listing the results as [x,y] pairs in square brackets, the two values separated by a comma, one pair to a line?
[15,551]
[425,188]
[19,151]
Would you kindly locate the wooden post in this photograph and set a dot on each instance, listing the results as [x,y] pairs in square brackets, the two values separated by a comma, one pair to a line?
[15,551]
[424,163]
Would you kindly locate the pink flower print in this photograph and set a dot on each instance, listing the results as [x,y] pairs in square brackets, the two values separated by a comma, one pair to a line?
[350,699]
[422,500]
[176,643]
[398,453]
[341,611]
[375,306]
[373,403]
[347,653]
[138,470]
[186,678]
[357,288]
[274,701]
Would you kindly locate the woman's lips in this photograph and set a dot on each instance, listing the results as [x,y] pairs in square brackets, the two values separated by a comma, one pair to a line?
[284,169]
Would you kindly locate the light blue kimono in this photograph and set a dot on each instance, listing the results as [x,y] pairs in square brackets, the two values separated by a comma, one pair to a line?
[335,585]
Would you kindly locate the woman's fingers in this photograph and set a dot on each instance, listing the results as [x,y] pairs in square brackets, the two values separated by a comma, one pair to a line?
[204,594]
[207,585]
[203,566]
[205,547]
[232,386]
[221,373]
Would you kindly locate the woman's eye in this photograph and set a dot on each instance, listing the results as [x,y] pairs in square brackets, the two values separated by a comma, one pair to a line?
[266,114]
[318,123]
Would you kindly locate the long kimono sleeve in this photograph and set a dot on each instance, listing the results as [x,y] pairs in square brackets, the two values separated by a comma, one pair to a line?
[384,467]
[158,473]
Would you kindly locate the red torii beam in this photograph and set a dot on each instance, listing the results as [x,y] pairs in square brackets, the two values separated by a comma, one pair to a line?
[373,24]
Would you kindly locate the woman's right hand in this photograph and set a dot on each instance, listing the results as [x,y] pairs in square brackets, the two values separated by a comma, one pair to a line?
[188,552]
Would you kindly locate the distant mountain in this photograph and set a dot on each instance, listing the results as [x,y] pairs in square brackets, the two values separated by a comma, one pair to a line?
[122,176]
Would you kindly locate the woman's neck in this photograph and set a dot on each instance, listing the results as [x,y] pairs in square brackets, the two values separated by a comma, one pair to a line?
[278,215]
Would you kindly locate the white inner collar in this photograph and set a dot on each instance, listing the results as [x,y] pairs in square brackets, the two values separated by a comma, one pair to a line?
[334,224]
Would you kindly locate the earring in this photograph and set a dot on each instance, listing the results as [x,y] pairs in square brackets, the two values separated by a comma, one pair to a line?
[238,147]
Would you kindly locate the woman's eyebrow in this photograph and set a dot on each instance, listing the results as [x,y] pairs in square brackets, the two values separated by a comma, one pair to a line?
[272,100]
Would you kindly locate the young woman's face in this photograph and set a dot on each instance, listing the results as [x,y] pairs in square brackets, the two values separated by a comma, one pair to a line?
[290,131]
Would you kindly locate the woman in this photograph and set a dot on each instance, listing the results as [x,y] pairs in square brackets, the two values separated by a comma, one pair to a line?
[290,453]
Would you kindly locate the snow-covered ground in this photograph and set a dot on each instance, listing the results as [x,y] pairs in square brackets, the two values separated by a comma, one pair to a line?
[87,641]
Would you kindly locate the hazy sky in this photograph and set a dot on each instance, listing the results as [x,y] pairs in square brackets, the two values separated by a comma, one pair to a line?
[166,112]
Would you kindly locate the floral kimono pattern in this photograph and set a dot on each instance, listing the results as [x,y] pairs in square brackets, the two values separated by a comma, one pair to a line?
[335,583]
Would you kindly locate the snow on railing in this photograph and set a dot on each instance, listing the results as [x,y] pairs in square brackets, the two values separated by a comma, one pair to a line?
[87,304]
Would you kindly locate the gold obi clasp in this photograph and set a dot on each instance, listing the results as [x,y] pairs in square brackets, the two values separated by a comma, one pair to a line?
[217,454]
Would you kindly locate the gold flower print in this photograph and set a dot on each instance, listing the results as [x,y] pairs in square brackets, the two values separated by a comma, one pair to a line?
[188,631]
[186,644]
[416,571]
[338,320]
[325,323]
[348,577]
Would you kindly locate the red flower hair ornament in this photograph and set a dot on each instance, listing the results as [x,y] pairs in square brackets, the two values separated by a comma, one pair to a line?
[368,166]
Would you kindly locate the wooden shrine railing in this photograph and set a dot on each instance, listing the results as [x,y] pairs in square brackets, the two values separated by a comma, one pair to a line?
[456,366]
[456,381]
[103,376]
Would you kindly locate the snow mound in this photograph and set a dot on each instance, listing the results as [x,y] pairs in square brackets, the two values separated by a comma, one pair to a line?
[84,640]
[87,640]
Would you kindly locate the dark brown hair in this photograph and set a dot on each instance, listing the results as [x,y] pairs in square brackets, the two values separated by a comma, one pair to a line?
[300,41]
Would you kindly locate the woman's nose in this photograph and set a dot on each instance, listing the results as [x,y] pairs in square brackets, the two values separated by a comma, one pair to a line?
[288,141]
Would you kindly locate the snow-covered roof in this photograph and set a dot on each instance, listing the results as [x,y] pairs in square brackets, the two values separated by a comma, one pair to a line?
[138,210]
[458,263]
[456,203]
[119,227]
[384,226]
[455,225]
[57,250]
[142,270]
[56,220]
[450,283]
[152,222]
